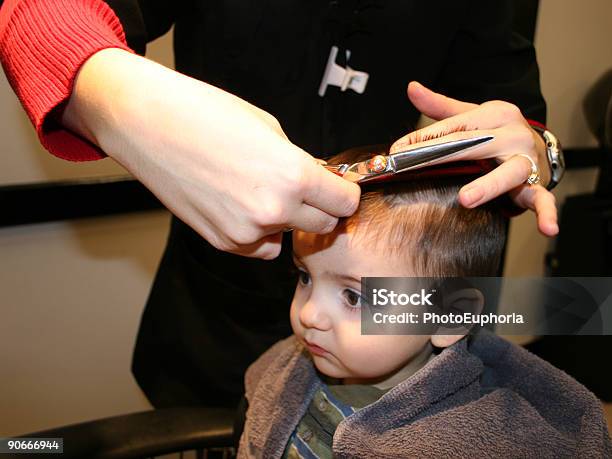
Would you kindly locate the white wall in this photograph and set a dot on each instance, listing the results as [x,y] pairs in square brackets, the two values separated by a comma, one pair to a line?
[574,48]
[71,294]
[574,44]
[71,299]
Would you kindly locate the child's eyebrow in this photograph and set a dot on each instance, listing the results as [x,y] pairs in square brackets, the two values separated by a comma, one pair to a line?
[345,277]
[335,275]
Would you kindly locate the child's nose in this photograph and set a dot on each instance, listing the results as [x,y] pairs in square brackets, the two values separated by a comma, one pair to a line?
[314,316]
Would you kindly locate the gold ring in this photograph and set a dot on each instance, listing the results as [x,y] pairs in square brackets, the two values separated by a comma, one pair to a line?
[534,176]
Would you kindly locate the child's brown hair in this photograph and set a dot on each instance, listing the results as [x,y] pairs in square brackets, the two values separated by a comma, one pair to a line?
[422,215]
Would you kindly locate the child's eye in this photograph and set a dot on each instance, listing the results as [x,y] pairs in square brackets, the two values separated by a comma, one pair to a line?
[303,277]
[352,298]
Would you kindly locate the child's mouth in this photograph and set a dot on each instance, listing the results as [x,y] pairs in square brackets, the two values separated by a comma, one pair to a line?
[314,349]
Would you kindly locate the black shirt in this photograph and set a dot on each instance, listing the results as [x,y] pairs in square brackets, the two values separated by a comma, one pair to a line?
[272,53]
[210,314]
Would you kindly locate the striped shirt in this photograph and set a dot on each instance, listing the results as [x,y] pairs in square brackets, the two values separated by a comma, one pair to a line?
[313,436]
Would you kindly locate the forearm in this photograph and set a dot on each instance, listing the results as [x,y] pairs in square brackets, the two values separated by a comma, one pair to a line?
[100,102]
[130,106]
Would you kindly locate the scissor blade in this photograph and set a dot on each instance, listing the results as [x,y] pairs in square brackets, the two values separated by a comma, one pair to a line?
[433,154]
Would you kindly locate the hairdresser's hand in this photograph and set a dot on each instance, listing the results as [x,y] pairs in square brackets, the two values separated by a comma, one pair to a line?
[513,136]
[220,164]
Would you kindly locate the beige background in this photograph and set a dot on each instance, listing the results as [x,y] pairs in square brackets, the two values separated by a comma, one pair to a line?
[71,294]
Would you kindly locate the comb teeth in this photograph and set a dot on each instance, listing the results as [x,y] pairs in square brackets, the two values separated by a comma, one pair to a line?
[418,136]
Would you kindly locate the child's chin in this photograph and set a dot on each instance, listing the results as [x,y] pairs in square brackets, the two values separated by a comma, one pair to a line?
[327,368]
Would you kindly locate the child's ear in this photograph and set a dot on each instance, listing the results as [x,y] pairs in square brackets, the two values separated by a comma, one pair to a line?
[466,300]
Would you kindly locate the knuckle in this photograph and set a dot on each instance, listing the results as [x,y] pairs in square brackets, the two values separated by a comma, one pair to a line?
[272,252]
[328,225]
[492,103]
[267,118]
[218,243]
[273,121]
[298,179]
[355,200]
[523,140]
[349,206]
[244,235]
[527,139]
[294,178]
[506,110]
[525,167]
[510,110]
[270,212]
[493,189]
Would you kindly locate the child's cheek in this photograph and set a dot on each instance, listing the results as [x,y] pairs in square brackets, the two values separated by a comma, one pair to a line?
[294,314]
[359,351]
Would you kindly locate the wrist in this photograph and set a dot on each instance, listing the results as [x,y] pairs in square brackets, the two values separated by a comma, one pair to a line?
[553,156]
[137,111]
[118,103]
[112,97]
[540,148]
[90,110]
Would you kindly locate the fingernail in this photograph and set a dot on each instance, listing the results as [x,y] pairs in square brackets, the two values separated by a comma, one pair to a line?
[472,195]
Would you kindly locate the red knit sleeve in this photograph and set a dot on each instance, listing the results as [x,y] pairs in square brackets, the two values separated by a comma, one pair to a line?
[42,46]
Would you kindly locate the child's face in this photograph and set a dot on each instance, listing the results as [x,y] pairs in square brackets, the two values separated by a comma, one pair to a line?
[325,312]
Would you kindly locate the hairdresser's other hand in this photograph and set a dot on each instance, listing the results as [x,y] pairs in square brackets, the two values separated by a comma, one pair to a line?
[218,163]
[513,136]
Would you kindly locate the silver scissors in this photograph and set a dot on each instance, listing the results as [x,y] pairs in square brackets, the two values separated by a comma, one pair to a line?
[381,167]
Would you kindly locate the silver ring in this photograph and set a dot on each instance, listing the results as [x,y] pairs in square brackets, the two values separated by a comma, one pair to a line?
[534,176]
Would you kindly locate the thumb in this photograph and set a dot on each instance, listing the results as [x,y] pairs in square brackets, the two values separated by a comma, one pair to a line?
[434,105]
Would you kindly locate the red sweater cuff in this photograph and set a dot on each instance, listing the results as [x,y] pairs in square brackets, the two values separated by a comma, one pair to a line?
[42,47]
[535,123]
